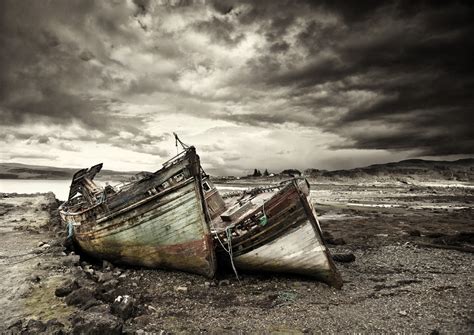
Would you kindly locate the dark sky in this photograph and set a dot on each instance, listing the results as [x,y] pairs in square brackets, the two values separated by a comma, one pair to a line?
[266,84]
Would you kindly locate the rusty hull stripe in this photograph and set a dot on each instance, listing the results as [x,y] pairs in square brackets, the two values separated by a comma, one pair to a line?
[191,254]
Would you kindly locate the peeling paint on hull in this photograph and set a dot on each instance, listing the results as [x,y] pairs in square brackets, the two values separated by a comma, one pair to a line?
[173,235]
[157,220]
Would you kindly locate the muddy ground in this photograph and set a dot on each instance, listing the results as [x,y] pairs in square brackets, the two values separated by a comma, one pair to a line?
[413,272]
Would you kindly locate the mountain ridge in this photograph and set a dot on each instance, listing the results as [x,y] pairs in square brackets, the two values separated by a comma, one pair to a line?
[461,169]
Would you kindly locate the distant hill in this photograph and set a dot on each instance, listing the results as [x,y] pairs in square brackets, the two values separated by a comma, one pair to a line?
[419,169]
[24,171]
[411,169]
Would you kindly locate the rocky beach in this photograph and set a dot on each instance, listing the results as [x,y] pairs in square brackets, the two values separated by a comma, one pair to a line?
[410,269]
[328,139]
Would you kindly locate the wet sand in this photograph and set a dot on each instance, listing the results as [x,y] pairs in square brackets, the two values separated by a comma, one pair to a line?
[30,259]
[406,276]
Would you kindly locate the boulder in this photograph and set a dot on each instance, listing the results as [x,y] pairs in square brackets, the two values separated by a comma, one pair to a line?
[103,309]
[344,258]
[94,323]
[111,284]
[15,327]
[54,327]
[34,326]
[123,306]
[82,297]
[66,288]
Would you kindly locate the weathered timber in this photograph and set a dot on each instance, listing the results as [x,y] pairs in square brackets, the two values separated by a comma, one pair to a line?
[279,233]
[159,221]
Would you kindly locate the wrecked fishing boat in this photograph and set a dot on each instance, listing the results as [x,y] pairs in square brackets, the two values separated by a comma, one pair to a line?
[160,220]
[274,229]
[175,218]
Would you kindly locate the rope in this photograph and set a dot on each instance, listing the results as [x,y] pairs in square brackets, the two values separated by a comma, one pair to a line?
[222,244]
[229,243]
[263,220]
[70,230]
[23,260]
[15,256]
[177,140]
[229,251]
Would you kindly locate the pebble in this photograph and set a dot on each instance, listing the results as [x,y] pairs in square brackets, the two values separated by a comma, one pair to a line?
[224,282]
[104,277]
[35,278]
[403,313]
[181,289]
[106,265]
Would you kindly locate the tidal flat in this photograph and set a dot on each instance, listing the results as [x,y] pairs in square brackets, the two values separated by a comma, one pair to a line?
[413,272]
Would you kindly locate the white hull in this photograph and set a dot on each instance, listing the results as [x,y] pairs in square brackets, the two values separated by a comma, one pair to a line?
[299,251]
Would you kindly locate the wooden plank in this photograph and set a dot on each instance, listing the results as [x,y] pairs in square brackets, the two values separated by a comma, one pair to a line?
[173,235]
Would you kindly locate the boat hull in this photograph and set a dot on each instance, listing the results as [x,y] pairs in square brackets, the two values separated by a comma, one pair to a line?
[169,231]
[290,242]
[298,251]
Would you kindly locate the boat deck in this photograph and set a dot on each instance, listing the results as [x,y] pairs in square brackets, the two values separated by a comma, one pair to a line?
[243,206]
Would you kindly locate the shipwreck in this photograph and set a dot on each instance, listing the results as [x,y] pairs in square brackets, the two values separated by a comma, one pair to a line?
[160,220]
[274,229]
[175,218]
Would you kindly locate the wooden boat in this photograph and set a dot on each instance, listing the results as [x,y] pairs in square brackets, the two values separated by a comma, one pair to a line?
[164,220]
[274,229]
[160,220]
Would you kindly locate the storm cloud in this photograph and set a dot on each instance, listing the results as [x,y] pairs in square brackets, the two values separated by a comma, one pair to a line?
[367,79]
